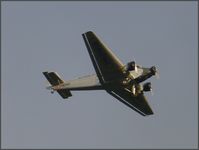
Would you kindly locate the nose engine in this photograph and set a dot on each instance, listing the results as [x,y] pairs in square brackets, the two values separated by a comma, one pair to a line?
[153,70]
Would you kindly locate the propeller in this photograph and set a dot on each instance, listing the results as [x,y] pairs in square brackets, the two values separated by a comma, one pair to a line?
[155,72]
[148,88]
[152,93]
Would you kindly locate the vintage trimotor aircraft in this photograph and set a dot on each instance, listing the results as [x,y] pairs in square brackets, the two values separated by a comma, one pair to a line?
[119,80]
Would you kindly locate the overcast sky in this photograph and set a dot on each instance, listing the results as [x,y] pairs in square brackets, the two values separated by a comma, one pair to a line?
[46,36]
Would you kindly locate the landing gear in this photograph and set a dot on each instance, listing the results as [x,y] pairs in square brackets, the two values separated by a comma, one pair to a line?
[136,89]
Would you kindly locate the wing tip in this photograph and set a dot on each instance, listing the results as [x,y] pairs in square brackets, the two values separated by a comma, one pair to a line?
[45,73]
[88,32]
[149,113]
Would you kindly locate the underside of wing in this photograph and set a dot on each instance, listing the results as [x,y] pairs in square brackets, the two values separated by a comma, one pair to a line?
[138,103]
[107,66]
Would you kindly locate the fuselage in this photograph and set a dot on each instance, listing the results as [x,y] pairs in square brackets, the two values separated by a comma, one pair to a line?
[91,82]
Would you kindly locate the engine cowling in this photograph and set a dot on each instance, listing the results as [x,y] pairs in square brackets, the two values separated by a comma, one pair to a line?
[153,70]
[130,66]
[147,87]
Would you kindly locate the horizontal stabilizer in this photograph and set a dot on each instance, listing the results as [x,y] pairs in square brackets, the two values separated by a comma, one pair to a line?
[64,93]
[54,80]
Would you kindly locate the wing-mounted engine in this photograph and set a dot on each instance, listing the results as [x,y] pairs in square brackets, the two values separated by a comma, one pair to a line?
[147,87]
[131,66]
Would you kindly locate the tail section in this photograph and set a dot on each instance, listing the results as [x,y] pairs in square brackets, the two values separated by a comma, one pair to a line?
[54,80]
[64,93]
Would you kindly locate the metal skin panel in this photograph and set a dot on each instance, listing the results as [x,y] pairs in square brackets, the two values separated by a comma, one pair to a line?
[111,75]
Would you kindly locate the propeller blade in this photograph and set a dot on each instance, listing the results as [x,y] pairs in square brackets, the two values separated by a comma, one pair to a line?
[157,75]
[152,93]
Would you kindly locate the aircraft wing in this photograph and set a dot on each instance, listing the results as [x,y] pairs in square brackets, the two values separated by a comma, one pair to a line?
[107,66]
[138,103]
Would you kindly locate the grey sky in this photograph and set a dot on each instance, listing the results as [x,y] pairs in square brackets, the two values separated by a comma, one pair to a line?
[40,36]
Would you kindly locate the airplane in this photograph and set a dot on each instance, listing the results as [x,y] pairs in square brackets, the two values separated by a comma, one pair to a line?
[121,81]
